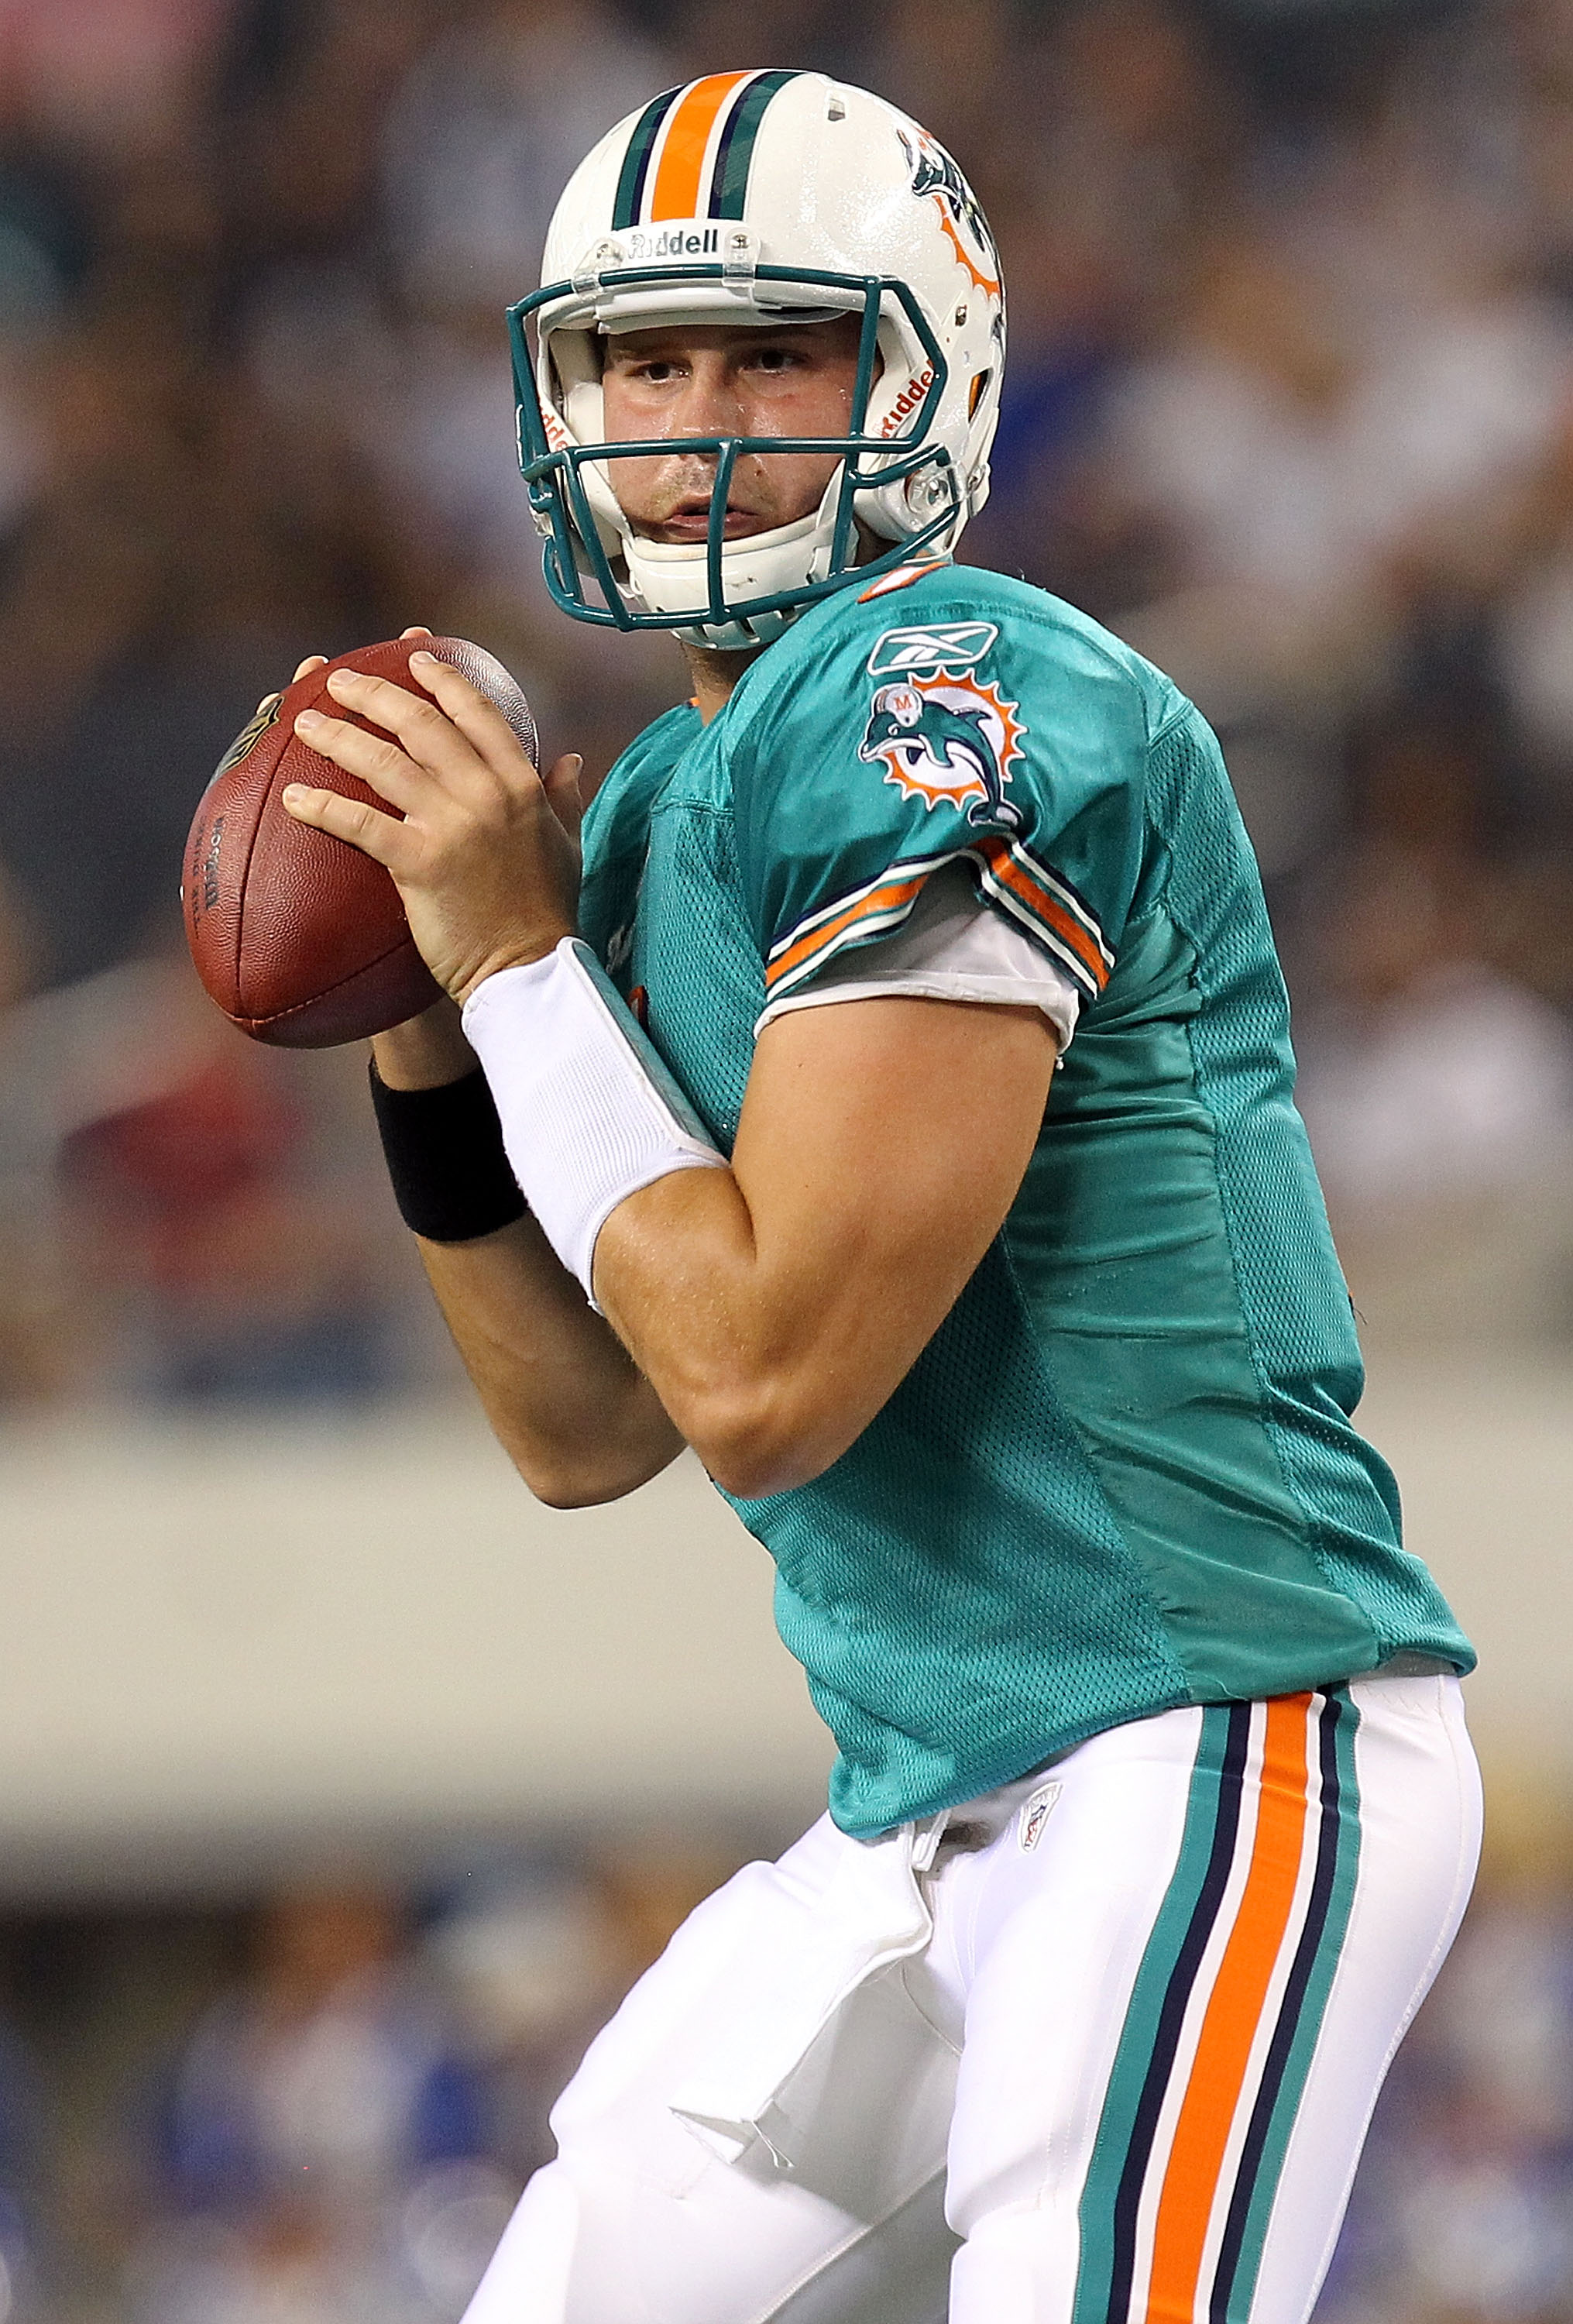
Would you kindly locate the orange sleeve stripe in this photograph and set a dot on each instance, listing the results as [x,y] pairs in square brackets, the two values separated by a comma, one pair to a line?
[1003,867]
[1072,933]
[682,162]
[887,897]
[1234,2011]
[893,893]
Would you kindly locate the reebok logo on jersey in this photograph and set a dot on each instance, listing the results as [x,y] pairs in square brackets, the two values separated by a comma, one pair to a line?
[940,731]
[933,646]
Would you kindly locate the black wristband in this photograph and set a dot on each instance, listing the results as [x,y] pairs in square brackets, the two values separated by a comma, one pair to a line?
[444,1148]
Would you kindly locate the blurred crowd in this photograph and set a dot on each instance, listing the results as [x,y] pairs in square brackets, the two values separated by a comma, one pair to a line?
[318,2110]
[1463,2206]
[1289,405]
[321,2110]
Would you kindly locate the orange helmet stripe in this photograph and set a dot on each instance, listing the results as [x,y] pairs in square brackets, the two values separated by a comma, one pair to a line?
[681,161]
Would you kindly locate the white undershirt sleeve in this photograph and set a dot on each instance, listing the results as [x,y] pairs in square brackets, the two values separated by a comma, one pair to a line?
[953,946]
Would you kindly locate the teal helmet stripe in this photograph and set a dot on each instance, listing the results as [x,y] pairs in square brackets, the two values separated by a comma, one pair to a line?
[636,162]
[728,182]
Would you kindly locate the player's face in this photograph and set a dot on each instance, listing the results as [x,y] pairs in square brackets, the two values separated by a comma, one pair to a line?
[727,380]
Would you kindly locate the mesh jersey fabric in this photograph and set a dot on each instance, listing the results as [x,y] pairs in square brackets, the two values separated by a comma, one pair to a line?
[1123,1474]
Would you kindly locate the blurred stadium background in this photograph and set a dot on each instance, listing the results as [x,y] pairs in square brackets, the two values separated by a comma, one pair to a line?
[341,1789]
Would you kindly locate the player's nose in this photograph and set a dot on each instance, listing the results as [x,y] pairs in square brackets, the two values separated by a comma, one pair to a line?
[710,402]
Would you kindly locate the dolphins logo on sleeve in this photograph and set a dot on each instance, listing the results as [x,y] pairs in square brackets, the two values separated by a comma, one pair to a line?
[940,733]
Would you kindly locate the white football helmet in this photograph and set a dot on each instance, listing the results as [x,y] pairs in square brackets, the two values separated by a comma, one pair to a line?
[753,197]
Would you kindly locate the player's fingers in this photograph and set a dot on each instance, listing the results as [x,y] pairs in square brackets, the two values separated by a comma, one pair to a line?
[475,714]
[428,735]
[376,760]
[418,630]
[561,784]
[381,836]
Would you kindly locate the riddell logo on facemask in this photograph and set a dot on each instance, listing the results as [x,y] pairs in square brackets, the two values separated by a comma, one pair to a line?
[673,242]
[908,401]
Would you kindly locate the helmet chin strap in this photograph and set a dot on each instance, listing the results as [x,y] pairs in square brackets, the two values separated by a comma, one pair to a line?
[674,578]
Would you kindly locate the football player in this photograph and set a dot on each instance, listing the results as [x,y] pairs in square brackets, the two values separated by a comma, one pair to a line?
[903,1104]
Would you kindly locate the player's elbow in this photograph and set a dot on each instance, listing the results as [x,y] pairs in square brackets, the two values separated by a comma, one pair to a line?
[751,1467]
[766,1434]
[573,1492]
[587,1477]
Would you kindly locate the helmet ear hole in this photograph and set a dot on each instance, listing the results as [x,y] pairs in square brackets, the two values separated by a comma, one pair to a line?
[977,392]
[900,365]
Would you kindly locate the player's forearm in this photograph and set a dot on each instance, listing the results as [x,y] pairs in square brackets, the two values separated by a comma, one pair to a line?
[565,1399]
[775,1302]
[741,1361]
[568,1404]
[425,1053]
[771,1350]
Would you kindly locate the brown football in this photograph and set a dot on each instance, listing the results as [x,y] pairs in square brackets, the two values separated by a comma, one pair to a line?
[299,938]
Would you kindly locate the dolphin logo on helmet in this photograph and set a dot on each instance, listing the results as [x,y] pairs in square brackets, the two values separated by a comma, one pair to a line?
[934,172]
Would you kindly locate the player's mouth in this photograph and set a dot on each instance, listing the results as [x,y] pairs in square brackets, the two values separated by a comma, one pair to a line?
[689,522]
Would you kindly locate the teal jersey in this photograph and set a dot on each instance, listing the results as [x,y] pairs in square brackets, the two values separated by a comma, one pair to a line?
[1122,1475]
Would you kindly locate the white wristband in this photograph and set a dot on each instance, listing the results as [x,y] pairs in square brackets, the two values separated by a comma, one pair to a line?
[590,1114]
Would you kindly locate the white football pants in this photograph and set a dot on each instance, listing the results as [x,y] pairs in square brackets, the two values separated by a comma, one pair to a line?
[1098,2048]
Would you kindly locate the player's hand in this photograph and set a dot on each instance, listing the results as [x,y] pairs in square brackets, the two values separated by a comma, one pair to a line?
[482,850]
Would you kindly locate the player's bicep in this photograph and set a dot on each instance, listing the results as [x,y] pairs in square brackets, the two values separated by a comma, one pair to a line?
[882,1142]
